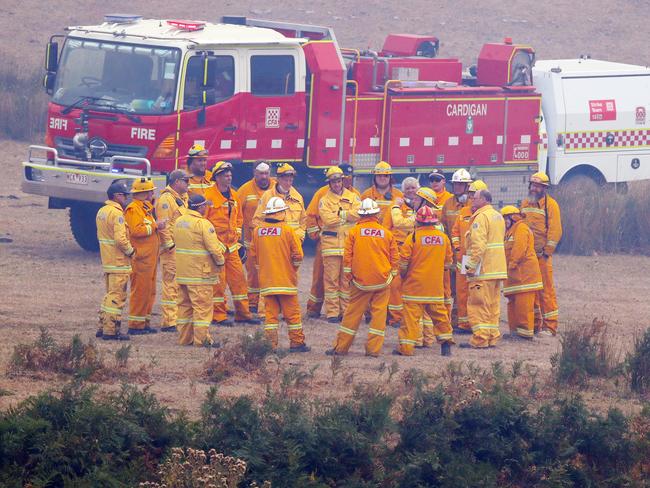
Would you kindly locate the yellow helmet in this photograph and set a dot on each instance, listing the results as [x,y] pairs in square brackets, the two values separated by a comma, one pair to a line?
[142,184]
[197,150]
[510,210]
[285,169]
[477,185]
[540,178]
[333,173]
[220,167]
[427,194]
[382,168]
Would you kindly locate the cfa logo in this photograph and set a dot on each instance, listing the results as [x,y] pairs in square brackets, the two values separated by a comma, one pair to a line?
[432,241]
[269,231]
[369,232]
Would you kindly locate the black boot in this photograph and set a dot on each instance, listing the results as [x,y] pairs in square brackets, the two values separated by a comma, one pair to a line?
[445,349]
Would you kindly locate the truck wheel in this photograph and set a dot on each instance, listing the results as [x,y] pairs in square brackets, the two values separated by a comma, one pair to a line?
[83,226]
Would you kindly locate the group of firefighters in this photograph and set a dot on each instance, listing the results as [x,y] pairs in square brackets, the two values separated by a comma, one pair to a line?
[419,259]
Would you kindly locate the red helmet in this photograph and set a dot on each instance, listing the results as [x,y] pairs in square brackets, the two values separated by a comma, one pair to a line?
[426,215]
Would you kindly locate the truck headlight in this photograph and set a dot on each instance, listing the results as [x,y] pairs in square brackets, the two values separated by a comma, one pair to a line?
[34,174]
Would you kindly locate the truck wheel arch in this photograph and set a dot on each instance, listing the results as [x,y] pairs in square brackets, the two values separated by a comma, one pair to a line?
[583,173]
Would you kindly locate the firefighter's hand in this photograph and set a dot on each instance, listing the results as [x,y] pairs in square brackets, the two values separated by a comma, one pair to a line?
[161,224]
[399,201]
[243,254]
[470,271]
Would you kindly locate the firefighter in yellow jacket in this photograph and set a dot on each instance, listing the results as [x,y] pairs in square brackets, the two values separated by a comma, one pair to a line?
[249,195]
[370,264]
[382,190]
[199,258]
[401,222]
[225,215]
[276,251]
[459,246]
[317,292]
[543,217]
[200,177]
[425,255]
[116,252]
[337,211]
[524,279]
[486,269]
[171,204]
[283,188]
[143,232]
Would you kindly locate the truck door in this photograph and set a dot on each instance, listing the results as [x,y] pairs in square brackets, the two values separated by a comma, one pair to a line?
[274,117]
[214,123]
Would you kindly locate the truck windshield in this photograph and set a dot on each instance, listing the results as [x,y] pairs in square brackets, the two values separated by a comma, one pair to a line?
[135,78]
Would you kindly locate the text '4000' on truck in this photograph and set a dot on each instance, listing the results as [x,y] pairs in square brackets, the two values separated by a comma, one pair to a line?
[130,96]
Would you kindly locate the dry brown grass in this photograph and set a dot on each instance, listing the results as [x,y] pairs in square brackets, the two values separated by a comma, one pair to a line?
[23,103]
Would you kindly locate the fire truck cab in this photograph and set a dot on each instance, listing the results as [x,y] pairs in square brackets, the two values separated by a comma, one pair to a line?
[130,96]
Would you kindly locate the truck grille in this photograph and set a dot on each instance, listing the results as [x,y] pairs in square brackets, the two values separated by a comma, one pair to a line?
[66,149]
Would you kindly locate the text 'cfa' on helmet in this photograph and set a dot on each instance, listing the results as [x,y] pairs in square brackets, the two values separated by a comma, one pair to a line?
[368,207]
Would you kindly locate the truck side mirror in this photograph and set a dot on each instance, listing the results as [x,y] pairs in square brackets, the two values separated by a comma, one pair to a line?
[208,97]
[52,57]
[48,82]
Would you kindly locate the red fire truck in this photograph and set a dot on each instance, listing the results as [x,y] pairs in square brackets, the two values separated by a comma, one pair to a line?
[131,95]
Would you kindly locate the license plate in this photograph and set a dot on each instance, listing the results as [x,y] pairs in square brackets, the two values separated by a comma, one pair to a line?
[76,179]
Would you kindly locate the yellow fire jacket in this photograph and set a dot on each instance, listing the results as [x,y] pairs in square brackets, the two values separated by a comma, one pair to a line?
[170,206]
[425,254]
[523,266]
[543,218]
[114,246]
[400,221]
[248,195]
[442,197]
[143,230]
[276,251]
[384,200]
[485,245]
[459,233]
[198,184]
[296,217]
[313,219]
[225,216]
[198,250]
[337,213]
[449,213]
[370,257]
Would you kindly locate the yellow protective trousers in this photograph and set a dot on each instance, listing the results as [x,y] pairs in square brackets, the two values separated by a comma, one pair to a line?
[411,330]
[169,297]
[360,301]
[521,314]
[290,308]
[337,288]
[110,314]
[194,315]
[254,298]
[461,301]
[449,301]
[315,300]
[546,309]
[143,289]
[483,310]
[236,281]
[395,305]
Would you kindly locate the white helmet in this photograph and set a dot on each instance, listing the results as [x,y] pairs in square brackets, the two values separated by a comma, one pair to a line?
[461,176]
[368,207]
[275,205]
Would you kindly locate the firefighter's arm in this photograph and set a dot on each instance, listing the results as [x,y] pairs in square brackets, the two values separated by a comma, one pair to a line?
[302,223]
[449,255]
[295,246]
[347,255]
[239,219]
[121,239]
[554,233]
[352,215]
[478,243]
[519,246]
[328,211]
[405,255]
[455,238]
[258,216]
[164,211]
[313,229]
[212,243]
[135,220]
[394,255]
[399,220]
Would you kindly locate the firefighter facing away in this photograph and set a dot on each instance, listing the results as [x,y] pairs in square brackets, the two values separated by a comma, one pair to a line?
[143,232]
[171,204]
[370,264]
[543,217]
[116,252]
[524,278]
[199,259]
[276,250]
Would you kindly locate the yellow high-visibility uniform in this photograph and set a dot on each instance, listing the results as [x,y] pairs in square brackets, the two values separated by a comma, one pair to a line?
[116,252]
[277,253]
[169,206]
[248,196]
[143,233]
[296,217]
[337,214]
[199,184]
[199,257]
[225,215]
[459,246]
[524,279]
[543,219]
[370,262]
[442,197]
[423,259]
[485,246]
[384,200]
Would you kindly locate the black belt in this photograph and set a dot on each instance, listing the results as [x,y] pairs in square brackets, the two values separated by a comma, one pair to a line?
[329,233]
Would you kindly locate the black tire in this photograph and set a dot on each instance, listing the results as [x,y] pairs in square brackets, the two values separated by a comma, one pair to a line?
[83,226]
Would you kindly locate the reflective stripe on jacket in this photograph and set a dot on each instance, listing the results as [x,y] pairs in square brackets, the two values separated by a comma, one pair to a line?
[400,221]
[143,230]
[523,266]
[248,195]
[337,213]
[543,218]
[226,217]
[384,200]
[114,246]
[198,250]
[295,216]
[199,184]
[485,245]
[170,206]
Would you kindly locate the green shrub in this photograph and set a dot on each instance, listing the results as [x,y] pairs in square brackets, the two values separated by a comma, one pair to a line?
[638,364]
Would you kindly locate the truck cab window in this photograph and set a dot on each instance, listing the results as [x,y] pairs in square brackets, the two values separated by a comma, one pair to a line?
[272,75]
[221,80]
